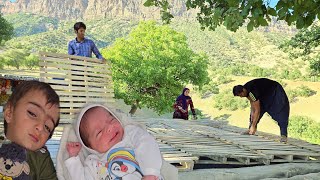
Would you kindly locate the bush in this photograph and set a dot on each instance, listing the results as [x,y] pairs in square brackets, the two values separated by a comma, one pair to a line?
[260,72]
[199,114]
[301,91]
[305,128]
[305,91]
[224,79]
[291,74]
[226,100]
[209,89]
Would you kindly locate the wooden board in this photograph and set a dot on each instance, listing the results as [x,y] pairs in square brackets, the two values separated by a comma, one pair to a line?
[77,80]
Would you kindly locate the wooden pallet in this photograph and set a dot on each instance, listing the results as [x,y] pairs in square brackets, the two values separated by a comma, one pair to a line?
[294,150]
[218,139]
[190,140]
[77,80]
[182,160]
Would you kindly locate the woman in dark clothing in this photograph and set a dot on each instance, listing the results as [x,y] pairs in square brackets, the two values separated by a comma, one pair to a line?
[181,106]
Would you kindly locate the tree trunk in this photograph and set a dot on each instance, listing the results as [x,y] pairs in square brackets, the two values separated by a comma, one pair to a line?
[134,107]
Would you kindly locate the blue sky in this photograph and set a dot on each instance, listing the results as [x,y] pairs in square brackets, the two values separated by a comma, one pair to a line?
[272,3]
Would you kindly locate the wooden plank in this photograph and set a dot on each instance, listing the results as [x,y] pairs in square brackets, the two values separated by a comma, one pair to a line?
[84,94]
[181,159]
[79,58]
[80,83]
[53,70]
[292,152]
[86,77]
[73,61]
[74,68]
[60,88]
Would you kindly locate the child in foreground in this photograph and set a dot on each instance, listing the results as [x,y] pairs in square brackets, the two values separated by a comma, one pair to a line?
[119,149]
[30,117]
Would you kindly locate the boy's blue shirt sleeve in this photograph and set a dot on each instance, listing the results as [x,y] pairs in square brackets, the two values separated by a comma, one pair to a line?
[96,51]
[70,49]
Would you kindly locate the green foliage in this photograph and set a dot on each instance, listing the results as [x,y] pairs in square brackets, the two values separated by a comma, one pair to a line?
[303,127]
[152,65]
[47,34]
[290,74]
[257,71]
[165,14]
[226,100]
[224,79]
[6,30]
[301,91]
[305,45]
[15,57]
[31,23]
[240,53]
[19,58]
[199,114]
[31,61]
[234,13]
[2,62]
[209,89]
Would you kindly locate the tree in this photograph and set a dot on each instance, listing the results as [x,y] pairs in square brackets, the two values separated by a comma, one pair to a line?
[15,57]
[2,62]
[6,30]
[152,64]
[305,44]
[254,13]
[32,61]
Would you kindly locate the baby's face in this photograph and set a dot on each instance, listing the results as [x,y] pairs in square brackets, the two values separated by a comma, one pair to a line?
[104,130]
[32,120]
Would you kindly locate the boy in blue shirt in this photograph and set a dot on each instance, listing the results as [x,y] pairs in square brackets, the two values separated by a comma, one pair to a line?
[81,46]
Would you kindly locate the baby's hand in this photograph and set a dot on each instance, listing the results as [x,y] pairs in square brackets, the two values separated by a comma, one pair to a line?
[150,177]
[73,148]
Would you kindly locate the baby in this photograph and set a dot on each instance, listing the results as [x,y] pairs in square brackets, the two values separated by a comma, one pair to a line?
[119,149]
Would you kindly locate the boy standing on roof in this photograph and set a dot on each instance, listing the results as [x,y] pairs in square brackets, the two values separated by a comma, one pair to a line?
[81,46]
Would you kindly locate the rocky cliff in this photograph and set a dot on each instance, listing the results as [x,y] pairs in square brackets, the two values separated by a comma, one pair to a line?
[88,9]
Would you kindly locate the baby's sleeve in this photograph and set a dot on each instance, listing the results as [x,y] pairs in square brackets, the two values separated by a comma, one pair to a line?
[78,171]
[146,149]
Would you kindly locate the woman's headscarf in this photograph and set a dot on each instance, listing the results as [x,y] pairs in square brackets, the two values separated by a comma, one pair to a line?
[183,99]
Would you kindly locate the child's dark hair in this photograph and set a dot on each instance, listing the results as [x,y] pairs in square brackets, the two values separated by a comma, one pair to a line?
[79,25]
[22,89]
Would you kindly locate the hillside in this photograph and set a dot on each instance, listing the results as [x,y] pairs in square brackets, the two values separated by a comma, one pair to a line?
[56,38]
[88,9]
[222,47]
[28,24]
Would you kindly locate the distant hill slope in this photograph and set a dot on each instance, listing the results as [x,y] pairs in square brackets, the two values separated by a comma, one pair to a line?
[28,24]
[55,39]
[257,47]
[222,46]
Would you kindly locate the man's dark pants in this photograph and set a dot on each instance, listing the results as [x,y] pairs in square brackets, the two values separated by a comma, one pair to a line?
[278,109]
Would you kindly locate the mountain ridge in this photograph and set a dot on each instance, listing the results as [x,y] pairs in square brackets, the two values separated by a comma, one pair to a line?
[89,9]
